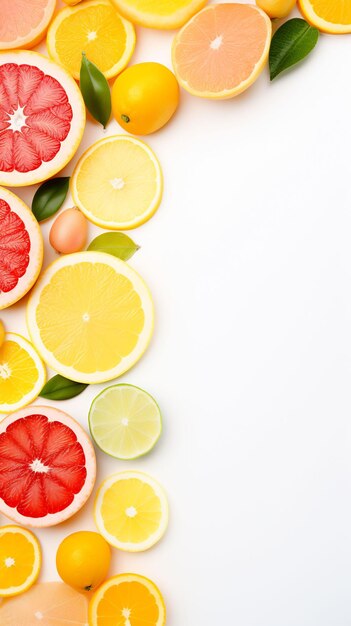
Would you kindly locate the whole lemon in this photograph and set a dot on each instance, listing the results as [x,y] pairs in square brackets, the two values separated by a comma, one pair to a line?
[276,8]
[83,560]
[144,98]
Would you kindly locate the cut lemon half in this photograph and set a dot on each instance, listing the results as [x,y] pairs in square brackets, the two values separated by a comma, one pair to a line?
[22,373]
[20,560]
[163,14]
[127,599]
[117,183]
[95,28]
[332,17]
[90,316]
[131,511]
[125,421]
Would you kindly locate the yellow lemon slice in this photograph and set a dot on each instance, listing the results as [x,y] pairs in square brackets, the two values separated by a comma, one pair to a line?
[127,599]
[20,560]
[95,28]
[117,183]
[22,373]
[131,511]
[90,316]
[328,16]
[163,14]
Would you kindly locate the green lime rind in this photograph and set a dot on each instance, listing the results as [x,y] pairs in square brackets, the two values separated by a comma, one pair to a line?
[140,453]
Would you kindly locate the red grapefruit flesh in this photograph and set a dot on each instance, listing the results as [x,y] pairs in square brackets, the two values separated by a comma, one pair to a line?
[42,118]
[21,249]
[47,466]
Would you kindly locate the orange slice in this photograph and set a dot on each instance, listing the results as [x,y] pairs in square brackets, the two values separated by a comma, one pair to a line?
[222,50]
[20,560]
[129,600]
[46,604]
[329,16]
[23,24]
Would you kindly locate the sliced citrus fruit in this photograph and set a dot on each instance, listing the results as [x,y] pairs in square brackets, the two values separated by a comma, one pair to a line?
[117,183]
[330,17]
[127,600]
[46,604]
[20,560]
[23,24]
[22,373]
[131,511]
[90,316]
[222,50]
[125,421]
[47,466]
[42,118]
[21,248]
[93,27]
[163,14]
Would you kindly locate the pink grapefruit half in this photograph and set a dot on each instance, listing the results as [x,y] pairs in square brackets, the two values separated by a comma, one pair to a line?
[23,22]
[21,249]
[42,118]
[47,466]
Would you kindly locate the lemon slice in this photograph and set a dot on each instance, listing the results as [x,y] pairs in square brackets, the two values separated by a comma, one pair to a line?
[131,511]
[95,28]
[127,599]
[125,421]
[117,183]
[163,14]
[90,316]
[22,373]
[20,560]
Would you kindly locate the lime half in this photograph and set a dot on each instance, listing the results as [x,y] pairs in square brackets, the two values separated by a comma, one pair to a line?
[125,421]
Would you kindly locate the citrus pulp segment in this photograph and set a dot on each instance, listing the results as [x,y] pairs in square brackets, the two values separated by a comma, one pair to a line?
[163,14]
[90,316]
[46,604]
[131,511]
[117,183]
[330,17]
[222,50]
[93,27]
[23,24]
[47,466]
[42,118]
[22,373]
[125,421]
[21,249]
[20,560]
[128,600]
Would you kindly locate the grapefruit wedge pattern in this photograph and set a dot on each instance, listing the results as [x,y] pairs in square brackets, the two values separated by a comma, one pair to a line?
[47,466]
[42,118]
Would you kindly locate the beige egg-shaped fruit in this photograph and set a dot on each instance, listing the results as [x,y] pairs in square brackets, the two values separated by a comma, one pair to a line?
[69,231]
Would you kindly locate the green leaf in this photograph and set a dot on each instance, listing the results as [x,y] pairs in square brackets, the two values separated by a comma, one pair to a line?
[292,42]
[95,90]
[61,388]
[50,197]
[118,244]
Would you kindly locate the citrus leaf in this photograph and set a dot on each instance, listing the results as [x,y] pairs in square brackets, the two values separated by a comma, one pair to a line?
[50,197]
[95,91]
[291,43]
[118,244]
[61,388]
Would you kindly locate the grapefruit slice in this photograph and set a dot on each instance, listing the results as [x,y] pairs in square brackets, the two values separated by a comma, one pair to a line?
[42,118]
[21,249]
[222,50]
[47,466]
[23,24]
[329,17]
[163,14]
[46,604]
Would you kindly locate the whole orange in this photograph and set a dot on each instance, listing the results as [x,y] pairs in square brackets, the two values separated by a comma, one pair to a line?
[83,560]
[145,97]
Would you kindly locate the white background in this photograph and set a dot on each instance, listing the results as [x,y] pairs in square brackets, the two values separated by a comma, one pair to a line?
[249,263]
